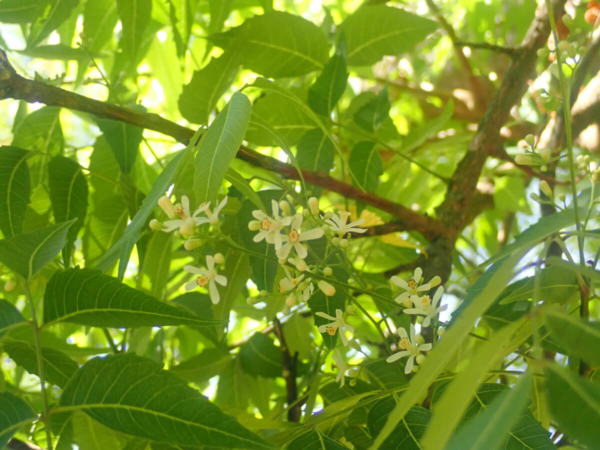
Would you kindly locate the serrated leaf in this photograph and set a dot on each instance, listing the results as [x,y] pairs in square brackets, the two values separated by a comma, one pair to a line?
[16,413]
[579,337]
[219,146]
[329,86]
[181,14]
[371,115]
[142,405]
[314,439]
[260,357]
[376,31]
[135,16]
[366,165]
[69,197]
[202,367]
[58,367]
[124,140]
[88,297]
[15,189]
[407,434]
[200,96]
[99,20]
[10,317]
[319,302]
[27,253]
[49,16]
[41,130]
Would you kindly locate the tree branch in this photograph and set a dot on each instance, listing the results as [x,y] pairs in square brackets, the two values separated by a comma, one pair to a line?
[290,365]
[510,51]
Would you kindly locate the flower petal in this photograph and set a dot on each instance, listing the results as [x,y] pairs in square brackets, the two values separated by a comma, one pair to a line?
[437,296]
[396,356]
[300,250]
[400,299]
[297,221]
[259,215]
[221,279]
[409,364]
[402,333]
[425,347]
[350,328]
[185,202]
[343,337]
[214,292]
[210,262]
[260,236]
[193,269]
[426,321]
[284,251]
[418,274]
[414,311]
[171,225]
[400,282]
[323,328]
[191,285]
[325,316]
[221,206]
[275,208]
[309,235]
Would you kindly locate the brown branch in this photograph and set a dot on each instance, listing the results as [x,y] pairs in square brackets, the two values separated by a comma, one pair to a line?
[16,444]
[17,87]
[510,51]
[290,365]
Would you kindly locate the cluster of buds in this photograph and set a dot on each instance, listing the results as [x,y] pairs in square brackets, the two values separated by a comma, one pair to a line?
[533,156]
[585,163]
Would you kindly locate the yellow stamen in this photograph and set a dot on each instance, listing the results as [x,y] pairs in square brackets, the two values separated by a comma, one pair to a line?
[294,236]
[202,281]
[265,224]
[404,343]
[331,331]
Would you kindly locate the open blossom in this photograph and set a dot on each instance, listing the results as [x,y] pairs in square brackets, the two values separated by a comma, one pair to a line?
[207,277]
[342,367]
[428,308]
[338,224]
[187,221]
[288,283]
[212,217]
[408,347]
[337,323]
[269,226]
[411,288]
[295,238]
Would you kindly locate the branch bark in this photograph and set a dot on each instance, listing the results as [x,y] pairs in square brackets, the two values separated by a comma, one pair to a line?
[290,365]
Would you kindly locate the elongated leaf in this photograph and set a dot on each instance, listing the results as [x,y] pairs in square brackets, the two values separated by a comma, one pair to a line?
[219,146]
[418,136]
[371,115]
[92,435]
[237,271]
[18,11]
[385,375]
[219,12]
[314,439]
[260,357]
[27,253]
[238,397]
[41,130]
[181,14]
[242,185]
[135,17]
[88,297]
[15,189]
[408,433]
[580,338]
[376,31]
[574,404]
[58,367]
[10,317]
[366,165]
[124,140]
[153,404]
[200,96]
[99,20]
[16,413]
[319,302]
[556,285]
[330,84]
[574,268]
[201,368]
[104,226]
[69,197]
[488,429]
[48,17]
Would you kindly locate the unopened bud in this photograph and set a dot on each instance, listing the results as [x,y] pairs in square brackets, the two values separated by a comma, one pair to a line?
[543,52]
[302,286]
[435,281]
[300,264]
[177,234]
[441,331]
[420,359]
[264,293]
[563,46]
[306,213]
[587,159]
[524,159]
[350,309]
[420,340]
[546,189]
[313,205]
[344,243]
[328,215]
[191,244]
[327,289]
[166,205]
[544,168]
[250,301]
[188,228]
[327,271]
[285,207]
[562,198]
[353,373]
[155,225]
[10,285]
[534,197]
[567,20]
[335,241]
[352,384]
[290,300]
[595,177]
[530,139]
[554,69]
[254,225]
[282,261]
[545,154]
[219,258]
[415,369]
[572,51]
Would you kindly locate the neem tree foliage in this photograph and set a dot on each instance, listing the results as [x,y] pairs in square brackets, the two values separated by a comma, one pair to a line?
[248,224]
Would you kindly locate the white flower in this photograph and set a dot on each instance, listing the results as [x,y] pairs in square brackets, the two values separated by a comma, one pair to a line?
[338,322]
[338,224]
[327,289]
[411,287]
[187,221]
[207,277]
[428,308]
[306,290]
[269,226]
[211,217]
[294,239]
[288,283]
[409,347]
[342,367]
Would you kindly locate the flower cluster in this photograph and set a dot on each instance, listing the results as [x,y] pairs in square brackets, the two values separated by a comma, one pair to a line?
[410,346]
[413,288]
[207,277]
[337,323]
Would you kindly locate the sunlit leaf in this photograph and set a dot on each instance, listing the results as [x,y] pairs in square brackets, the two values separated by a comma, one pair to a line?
[15,189]
[371,115]
[328,88]
[41,130]
[579,337]
[366,165]
[99,20]
[123,139]
[135,17]
[49,15]
[202,367]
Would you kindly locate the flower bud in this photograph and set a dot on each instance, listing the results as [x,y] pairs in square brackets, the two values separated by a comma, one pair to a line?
[544,168]
[595,177]
[554,69]
[524,159]
[543,52]
[435,281]
[420,340]
[335,241]
[534,197]
[327,271]
[300,264]
[250,301]
[177,234]
[264,293]
[254,225]
[587,159]
[285,207]
[327,289]
[328,215]
[166,205]
[350,309]
[290,300]
[313,205]
[302,286]
[10,285]
[353,373]
[420,359]
[352,384]
[572,51]
[415,369]
[191,244]
[219,258]
[562,198]
[546,189]
[306,213]
[344,243]
[155,225]
[563,46]
[567,20]
[580,160]
[530,139]
[188,228]
[545,154]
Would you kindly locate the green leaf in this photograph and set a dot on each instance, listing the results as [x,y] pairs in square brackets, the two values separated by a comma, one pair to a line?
[314,439]
[556,285]
[366,165]
[123,139]
[91,435]
[574,268]
[157,262]
[319,302]
[58,367]
[419,136]
[376,31]
[104,226]
[41,130]
[260,357]
[16,413]
[10,317]
[579,337]
[69,197]
[181,13]
[27,253]
[204,366]
[237,271]
[58,52]
[242,185]
[371,115]
[489,429]
[153,404]
[329,86]
[316,152]
[18,11]
[15,189]
[88,297]
[99,20]
[219,12]
[385,375]
[135,16]
[237,398]
[200,305]
[407,434]
[49,16]
[200,96]
[574,405]
[219,146]
[297,331]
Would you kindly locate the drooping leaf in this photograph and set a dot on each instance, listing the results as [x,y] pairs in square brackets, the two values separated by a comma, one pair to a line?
[408,433]
[142,405]
[200,96]
[99,20]
[329,86]
[366,165]
[88,297]
[16,413]
[260,357]
[10,317]
[15,189]
[314,439]
[371,115]
[202,367]
[319,302]
[376,31]
[41,130]
[219,146]
[123,139]
[69,197]
[58,367]
[27,253]
[135,17]
[580,338]
[49,15]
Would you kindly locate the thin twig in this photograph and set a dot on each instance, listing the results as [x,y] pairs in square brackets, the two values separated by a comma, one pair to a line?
[510,51]
[290,366]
